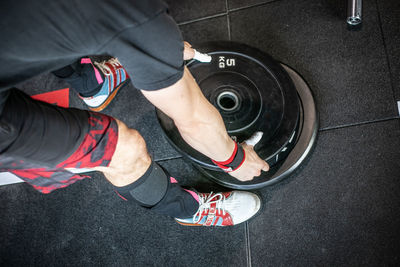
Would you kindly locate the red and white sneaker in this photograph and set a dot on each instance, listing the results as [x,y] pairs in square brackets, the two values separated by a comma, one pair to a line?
[115,77]
[224,209]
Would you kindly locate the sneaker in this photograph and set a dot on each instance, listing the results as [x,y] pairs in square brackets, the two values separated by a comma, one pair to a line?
[224,209]
[115,77]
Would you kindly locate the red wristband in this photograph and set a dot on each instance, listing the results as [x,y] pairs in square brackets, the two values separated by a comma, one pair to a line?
[235,160]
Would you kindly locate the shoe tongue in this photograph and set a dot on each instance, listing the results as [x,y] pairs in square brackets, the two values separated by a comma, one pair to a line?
[214,197]
[213,208]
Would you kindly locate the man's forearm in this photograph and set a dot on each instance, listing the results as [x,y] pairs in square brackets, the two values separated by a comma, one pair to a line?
[199,123]
[206,133]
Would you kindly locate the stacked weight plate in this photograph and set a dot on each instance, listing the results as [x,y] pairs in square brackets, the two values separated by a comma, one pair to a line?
[253,93]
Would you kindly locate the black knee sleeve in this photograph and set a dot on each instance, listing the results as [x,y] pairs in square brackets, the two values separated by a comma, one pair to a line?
[154,190]
[149,189]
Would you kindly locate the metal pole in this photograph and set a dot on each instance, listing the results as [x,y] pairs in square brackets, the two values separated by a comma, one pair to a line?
[354,12]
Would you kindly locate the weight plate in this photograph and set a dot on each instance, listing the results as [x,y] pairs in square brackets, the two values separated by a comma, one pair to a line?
[308,129]
[252,92]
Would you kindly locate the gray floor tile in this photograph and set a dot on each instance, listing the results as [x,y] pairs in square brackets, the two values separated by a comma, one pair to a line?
[184,10]
[47,82]
[87,224]
[342,209]
[347,70]
[206,30]
[233,4]
[389,11]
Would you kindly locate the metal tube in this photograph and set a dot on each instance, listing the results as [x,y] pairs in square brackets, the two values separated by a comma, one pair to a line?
[354,12]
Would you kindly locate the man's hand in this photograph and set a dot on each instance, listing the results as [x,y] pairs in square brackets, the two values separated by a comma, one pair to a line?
[191,53]
[253,164]
[188,51]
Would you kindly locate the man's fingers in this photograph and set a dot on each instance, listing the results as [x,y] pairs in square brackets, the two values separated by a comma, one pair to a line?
[191,53]
[188,53]
[265,167]
[254,139]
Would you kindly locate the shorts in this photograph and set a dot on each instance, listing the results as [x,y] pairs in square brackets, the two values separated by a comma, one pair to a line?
[95,148]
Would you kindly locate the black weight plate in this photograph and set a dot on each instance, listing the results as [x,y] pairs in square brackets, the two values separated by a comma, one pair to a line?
[244,110]
[267,100]
[304,143]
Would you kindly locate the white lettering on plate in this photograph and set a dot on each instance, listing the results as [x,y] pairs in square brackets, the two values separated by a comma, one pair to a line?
[229,62]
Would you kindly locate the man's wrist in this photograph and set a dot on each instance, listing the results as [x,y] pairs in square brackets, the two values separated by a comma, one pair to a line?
[234,161]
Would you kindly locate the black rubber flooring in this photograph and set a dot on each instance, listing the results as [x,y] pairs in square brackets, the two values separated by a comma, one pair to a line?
[341,209]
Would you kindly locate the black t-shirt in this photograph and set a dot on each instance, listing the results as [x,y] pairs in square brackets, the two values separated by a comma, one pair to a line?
[44,35]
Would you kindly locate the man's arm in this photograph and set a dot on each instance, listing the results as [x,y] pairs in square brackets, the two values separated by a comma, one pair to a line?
[201,125]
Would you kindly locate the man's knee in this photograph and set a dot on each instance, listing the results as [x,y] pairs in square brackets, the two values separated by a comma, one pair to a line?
[130,159]
[131,145]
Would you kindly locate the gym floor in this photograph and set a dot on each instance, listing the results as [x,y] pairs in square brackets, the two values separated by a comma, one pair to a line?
[341,208]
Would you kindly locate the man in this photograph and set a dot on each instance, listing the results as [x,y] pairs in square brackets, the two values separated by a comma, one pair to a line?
[40,142]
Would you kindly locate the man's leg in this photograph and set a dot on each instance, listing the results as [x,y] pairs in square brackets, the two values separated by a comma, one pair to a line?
[137,178]
[41,142]
[130,160]
[44,141]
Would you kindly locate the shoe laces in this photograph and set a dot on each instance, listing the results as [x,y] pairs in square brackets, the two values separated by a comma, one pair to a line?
[205,201]
[106,69]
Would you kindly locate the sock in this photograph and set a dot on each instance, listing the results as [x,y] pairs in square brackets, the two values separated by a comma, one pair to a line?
[178,202]
[81,77]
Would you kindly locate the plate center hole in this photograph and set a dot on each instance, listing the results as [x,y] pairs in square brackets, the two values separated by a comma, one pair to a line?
[227,101]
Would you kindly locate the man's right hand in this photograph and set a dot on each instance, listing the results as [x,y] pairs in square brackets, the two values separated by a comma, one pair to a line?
[188,51]
[252,165]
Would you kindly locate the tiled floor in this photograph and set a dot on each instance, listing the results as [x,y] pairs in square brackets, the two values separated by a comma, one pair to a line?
[342,208]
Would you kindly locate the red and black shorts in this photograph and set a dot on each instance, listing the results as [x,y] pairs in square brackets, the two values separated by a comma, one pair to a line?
[39,141]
